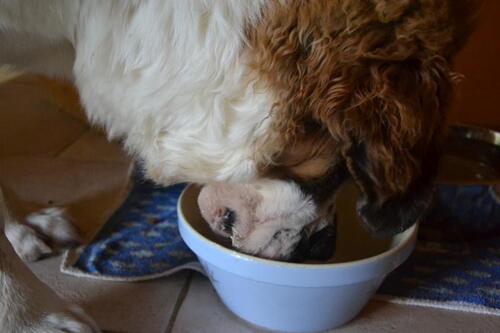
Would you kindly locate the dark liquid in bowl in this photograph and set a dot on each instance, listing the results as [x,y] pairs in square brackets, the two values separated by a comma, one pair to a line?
[353,242]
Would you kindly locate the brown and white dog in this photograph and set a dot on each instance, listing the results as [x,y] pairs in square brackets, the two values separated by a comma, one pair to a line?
[286,98]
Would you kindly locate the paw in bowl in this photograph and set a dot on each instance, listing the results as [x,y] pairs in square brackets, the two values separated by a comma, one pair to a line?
[270,219]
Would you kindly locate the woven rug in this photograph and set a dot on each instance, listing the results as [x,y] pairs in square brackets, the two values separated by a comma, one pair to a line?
[139,242]
[456,263]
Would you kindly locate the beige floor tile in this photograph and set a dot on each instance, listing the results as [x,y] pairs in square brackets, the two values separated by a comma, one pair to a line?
[382,317]
[38,113]
[202,312]
[94,146]
[143,307]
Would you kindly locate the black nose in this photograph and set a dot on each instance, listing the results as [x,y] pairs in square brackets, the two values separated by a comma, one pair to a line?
[228,220]
[319,246]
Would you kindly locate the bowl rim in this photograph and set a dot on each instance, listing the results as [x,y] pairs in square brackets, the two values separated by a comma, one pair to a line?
[406,238]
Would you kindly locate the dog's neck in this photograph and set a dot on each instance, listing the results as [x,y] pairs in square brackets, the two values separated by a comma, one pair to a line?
[179,95]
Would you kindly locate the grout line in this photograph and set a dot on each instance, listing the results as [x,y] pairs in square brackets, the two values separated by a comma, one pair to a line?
[178,303]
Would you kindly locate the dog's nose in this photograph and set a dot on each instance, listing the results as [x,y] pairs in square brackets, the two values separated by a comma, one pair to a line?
[318,246]
[227,220]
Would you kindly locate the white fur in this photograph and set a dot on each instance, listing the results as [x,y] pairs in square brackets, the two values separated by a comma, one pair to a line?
[270,215]
[283,208]
[53,223]
[26,304]
[29,240]
[168,77]
[26,242]
[29,306]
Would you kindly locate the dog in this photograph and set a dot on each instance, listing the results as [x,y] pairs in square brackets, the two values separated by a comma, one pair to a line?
[287,98]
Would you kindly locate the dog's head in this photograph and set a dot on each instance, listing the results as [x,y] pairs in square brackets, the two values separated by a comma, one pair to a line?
[361,90]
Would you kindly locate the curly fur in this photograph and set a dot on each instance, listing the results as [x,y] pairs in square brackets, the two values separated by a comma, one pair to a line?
[354,72]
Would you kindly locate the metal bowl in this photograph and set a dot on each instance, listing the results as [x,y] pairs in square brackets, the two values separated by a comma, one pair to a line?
[472,156]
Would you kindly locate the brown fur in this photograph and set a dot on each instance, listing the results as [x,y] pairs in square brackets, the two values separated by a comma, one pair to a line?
[350,73]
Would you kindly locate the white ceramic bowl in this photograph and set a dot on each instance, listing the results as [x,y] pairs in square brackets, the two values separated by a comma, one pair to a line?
[286,296]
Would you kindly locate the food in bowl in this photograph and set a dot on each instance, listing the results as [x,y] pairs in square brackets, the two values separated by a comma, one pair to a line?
[296,297]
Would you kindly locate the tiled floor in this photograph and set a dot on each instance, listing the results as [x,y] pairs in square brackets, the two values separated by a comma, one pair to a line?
[144,307]
[186,303]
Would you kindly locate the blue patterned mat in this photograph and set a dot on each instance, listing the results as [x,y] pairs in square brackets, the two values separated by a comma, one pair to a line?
[456,262]
[141,239]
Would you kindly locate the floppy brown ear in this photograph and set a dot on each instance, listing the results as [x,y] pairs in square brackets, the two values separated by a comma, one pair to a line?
[383,212]
[386,105]
[392,130]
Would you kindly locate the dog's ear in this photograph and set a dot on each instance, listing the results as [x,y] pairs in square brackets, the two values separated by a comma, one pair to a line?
[382,210]
[391,129]
[386,101]
[393,134]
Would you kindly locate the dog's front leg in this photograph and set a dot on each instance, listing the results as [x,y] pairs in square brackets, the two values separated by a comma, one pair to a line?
[27,305]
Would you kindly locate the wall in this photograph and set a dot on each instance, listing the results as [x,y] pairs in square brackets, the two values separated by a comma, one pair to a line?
[478,96]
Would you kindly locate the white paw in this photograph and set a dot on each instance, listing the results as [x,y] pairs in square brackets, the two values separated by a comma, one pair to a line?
[26,242]
[27,305]
[54,224]
[75,321]
[44,233]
